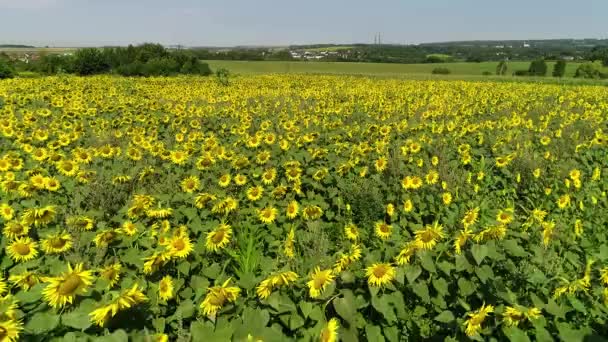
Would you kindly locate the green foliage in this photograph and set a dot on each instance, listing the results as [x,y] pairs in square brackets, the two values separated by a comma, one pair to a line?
[538,68]
[441,71]
[6,71]
[501,68]
[223,76]
[559,69]
[90,61]
[589,70]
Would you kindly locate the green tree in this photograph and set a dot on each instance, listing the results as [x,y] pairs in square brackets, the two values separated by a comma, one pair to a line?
[90,61]
[538,68]
[589,70]
[559,69]
[6,71]
[501,68]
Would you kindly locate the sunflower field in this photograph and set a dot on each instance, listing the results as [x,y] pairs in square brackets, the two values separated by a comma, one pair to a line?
[284,207]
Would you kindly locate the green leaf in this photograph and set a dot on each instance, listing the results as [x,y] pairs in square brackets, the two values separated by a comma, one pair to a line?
[479,253]
[77,319]
[295,321]
[373,333]
[555,309]
[345,307]
[441,286]
[422,290]
[445,317]
[513,248]
[185,309]
[306,308]
[382,305]
[31,296]
[568,333]
[427,262]
[412,273]
[484,273]
[391,333]
[466,287]
[42,322]
[516,335]
[201,331]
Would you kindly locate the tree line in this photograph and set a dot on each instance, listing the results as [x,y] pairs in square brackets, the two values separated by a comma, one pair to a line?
[142,60]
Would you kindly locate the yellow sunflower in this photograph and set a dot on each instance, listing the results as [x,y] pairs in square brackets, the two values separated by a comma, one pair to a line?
[63,289]
[429,236]
[218,296]
[254,193]
[268,214]
[292,209]
[319,280]
[329,333]
[10,330]
[190,184]
[57,243]
[180,247]
[25,280]
[14,229]
[111,273]
[22,249]
[218,238]
[380,274]
[351,231]
[383,230]
[165,288]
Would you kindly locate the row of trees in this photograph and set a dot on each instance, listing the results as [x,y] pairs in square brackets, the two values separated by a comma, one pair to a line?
[142,60]
[539,68]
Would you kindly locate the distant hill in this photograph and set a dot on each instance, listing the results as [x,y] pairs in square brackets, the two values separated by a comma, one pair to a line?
[16,46]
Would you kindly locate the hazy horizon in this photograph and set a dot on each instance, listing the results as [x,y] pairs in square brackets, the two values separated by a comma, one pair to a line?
[72,23]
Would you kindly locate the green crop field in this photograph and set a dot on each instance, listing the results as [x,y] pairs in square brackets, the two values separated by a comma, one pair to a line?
[458,69]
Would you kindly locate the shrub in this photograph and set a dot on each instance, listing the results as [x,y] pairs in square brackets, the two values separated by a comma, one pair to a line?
[90,61]
[486,73]
[538,68]
[559,69]
[501,68]
[6,71]
[441,71]
[588,70]
[521,73]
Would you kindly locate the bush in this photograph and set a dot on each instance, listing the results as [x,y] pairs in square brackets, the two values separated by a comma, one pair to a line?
[559,69]
[441,71]
[6,71]
[521,73]
[486,73]
[90,61]
[589,70]
[501,68]
[538,68]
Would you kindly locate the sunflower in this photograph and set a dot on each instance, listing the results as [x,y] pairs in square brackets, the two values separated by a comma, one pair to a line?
[470,217]
[8,308]
[505,216]
[218,238]
[240,179]
[512,316]
[409,250]
[102,315]
[57,243]
[292,209]
[39,216]
[265,288]
[408,206]
[446,197]
[390,209]
[105,237]
[180,246]
[25,280]
[14,229]
[154,262]
[63,289]
[129,228]
[380,274]
[383,230]
[254,193]
[473,323]
[429,236]
[190,184]
[319,280]
[268,214]
[312,212]
[224,180]
[80,222]
[51,184]
[37,181]
[218,296]
[289,243]
[381,164]
[351,231]
[159,213]
[329,333]
[563,201]
[165,288]
[269,176]
[111,273]
[179,157]
[9,330]
[201,200]
[22,249]
[432,177]
[67,167]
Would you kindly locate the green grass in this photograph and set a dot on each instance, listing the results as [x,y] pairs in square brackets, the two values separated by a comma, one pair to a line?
[459,70]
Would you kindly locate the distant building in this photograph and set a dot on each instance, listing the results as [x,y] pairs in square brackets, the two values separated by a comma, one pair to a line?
[526,45]
[567,58]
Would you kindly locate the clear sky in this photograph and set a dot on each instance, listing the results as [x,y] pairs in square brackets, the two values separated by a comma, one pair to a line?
[284,22]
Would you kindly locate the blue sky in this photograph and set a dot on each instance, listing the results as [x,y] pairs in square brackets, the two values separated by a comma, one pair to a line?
[273,22]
